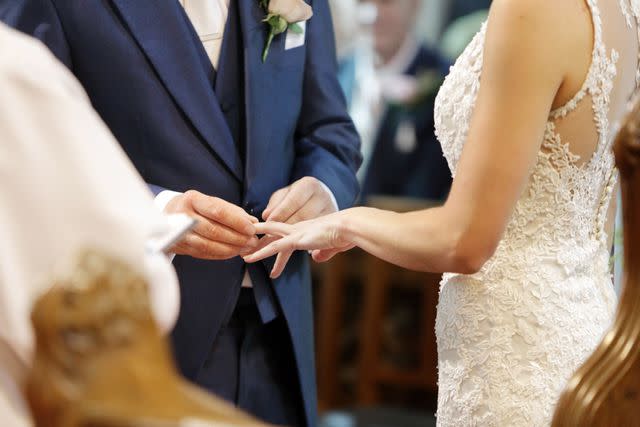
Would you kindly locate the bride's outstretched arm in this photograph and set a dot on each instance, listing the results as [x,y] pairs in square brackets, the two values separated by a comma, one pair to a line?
[528,52]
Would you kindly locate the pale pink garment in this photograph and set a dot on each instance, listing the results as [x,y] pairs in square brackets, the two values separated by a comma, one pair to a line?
[65,185]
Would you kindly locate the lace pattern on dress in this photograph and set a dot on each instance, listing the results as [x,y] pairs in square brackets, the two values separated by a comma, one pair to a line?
[511,335]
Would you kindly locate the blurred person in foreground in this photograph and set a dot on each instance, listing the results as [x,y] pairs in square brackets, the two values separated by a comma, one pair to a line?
[404,157]
[65,186]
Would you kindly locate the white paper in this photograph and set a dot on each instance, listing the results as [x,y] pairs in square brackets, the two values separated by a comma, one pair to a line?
[175,226]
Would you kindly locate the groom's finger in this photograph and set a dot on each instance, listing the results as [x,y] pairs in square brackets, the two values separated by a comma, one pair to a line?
[217,232]
[295,199]
[225,213]
[198,247]
[313,208]
[274,228]
[274,201]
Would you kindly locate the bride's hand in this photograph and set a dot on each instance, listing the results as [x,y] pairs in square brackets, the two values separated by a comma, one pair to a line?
[324,236]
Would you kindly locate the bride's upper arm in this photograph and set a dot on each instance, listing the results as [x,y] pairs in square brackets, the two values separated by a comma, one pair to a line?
[525,59]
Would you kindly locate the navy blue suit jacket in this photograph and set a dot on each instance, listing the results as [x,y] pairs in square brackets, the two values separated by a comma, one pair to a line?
[421,172]
[150,80]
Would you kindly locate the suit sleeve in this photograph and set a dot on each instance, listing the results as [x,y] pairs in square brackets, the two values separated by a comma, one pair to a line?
[39,19]
[327,143]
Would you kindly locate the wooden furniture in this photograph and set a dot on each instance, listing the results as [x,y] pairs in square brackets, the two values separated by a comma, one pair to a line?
[605,391]
[373,371]
[100,360]
[334,278]
[377,279]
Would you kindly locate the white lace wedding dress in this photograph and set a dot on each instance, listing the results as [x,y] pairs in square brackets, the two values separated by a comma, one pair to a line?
[510,336]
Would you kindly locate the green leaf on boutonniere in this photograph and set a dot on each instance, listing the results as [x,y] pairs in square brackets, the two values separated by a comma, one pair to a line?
[296,28]
[277,25]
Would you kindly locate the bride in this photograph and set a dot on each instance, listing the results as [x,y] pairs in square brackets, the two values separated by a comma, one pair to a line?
[526,120]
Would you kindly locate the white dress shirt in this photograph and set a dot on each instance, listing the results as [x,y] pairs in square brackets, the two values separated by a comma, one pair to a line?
[209,18]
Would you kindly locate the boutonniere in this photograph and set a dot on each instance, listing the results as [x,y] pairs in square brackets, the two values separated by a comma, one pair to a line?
[410,92]
[283,15]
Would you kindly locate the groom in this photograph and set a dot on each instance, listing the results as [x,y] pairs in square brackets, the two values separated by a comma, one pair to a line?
[221,135]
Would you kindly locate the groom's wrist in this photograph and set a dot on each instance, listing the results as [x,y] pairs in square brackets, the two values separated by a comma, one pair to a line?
[334,202]
[164,198]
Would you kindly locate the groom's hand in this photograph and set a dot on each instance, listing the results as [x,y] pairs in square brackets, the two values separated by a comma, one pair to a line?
[305,199]
[224,230]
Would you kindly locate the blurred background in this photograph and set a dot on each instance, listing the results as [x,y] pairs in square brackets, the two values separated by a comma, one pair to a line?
[376,349]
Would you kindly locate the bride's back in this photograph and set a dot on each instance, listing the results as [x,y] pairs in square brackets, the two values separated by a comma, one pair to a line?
[614,29]
[594,96]
[570,187]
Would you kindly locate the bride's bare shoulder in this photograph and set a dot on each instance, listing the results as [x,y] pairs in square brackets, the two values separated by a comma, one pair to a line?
[559,28]
[540,10]
[554,17]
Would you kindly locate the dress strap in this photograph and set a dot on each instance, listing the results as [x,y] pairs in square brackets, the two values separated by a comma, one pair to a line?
[597,68]
[598,84]
[631,11]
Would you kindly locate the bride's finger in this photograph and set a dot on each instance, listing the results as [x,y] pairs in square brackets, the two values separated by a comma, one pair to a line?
[282,245]
[274,228]
[281,262]
[323,255]
[264,242]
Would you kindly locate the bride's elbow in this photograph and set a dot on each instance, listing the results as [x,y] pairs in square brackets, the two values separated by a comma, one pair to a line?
[467,263]
[469,255]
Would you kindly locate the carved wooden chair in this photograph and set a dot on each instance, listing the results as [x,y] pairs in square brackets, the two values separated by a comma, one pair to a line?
[101,361]
[605,391]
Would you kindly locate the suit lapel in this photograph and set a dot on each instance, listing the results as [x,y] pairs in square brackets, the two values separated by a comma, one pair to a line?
[165,36]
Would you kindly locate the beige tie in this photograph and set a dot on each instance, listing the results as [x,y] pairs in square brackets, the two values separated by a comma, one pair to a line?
[209,18]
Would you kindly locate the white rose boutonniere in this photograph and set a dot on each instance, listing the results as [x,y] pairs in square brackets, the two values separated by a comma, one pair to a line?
[283,15]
